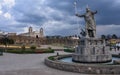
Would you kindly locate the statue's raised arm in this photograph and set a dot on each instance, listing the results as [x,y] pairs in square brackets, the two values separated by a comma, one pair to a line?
[78,15]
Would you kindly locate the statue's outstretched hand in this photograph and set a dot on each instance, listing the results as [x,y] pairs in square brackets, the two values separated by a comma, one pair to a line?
[80,15]
[77,14]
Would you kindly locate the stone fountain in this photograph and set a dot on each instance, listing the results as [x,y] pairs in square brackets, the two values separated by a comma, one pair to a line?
[92,53]
[91,49]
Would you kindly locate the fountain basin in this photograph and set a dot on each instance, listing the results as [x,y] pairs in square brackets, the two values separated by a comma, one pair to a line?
[81,67]
[95,58]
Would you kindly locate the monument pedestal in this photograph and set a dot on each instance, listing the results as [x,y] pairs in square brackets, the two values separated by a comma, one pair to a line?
[92,50]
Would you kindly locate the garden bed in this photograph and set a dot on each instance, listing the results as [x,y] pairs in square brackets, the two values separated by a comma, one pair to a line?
[69,50]
[29,51]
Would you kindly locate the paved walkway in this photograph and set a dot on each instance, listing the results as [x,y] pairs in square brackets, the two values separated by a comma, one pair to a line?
[29,64]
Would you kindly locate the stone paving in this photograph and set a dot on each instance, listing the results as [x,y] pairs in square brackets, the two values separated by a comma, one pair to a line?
[26,64]
[29,64]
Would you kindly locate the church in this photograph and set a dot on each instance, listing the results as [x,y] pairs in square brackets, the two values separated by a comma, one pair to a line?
[32,33]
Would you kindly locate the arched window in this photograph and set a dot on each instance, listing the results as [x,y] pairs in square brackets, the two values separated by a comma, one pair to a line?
[36,36]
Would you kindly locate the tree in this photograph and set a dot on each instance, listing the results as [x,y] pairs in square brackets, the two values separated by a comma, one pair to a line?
[114,36]
[76,35]
[103,37]
[6,41]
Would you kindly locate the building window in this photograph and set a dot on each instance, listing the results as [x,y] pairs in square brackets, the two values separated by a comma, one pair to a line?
[36,36]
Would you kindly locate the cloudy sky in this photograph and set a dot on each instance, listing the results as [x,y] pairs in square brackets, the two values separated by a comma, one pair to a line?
[57,16]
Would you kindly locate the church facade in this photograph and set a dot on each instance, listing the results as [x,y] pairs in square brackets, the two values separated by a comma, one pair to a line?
[32,33]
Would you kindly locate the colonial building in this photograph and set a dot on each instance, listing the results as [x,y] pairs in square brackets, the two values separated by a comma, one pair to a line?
[37,38]
[27,40]
[32,33]
[11,34]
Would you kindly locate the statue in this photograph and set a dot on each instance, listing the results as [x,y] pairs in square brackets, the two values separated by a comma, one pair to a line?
[90,22]
[90,49]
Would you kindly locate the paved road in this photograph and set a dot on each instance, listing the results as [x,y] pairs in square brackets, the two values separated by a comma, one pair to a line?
[28,64]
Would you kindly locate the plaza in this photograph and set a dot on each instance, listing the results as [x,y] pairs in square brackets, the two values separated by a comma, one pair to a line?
[59,37]
[29,64]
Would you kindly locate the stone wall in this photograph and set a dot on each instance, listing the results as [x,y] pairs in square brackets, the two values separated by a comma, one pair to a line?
[83,68]
[20,40]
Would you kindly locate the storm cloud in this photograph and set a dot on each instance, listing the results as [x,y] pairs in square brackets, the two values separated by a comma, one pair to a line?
[57,17]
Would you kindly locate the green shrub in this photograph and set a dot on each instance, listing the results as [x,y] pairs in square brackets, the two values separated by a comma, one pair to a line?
[49,51]
[29,51]
[15,51]
[33,47]
[23,48]
[49,48]
[69,50]
[51,58]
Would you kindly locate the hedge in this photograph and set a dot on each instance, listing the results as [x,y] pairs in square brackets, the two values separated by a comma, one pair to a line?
[69,50]
[51,58]
[30,51]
